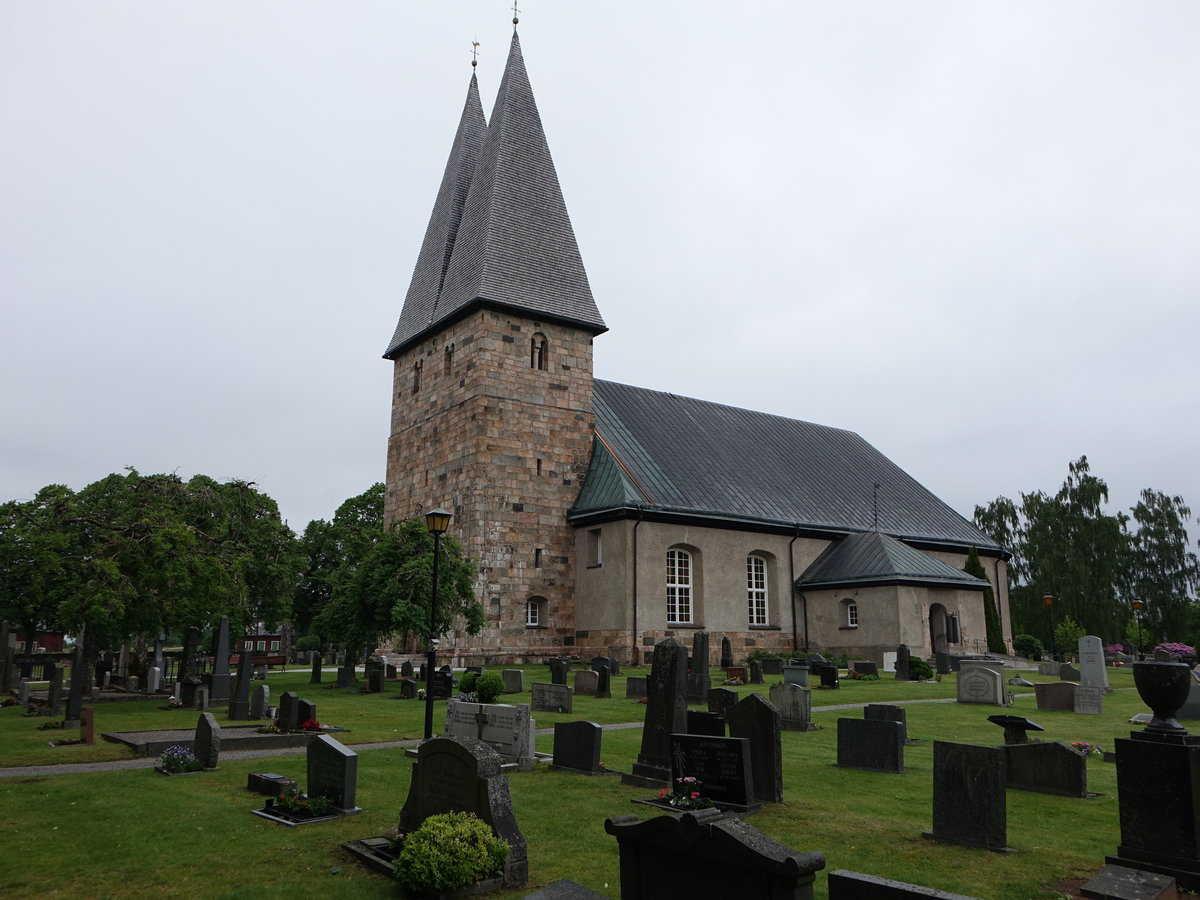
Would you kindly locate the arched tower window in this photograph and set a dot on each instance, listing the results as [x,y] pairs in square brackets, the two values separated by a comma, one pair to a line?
[448,360]
[849,614]
[417,376]
[539,352]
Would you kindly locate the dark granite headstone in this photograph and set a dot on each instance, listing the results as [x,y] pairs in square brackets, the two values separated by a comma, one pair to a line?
[700,855]
[306,711]
[614,667]
[577,746]
[865,667]
[941,662]
[603,684]
[406,669]
[345,676]
[564,889]
[376,677]
[558,670]
[699,658]
[463,775]
[551,697]
[707,723]
[599,662]
[758,721]
[315,676]
[698,687]
[772,665]
[903,658]
[239,702]
[443,685]
[721,700]
[885,712]
[756,672]
[829,677]
[969,802]
[874,744]
[726,653]
[635,687]
[288,711]
[333,773]
[55,699]
[666,714]
[1055,696]
[206,746]
[408,689]
[845,885]
[260,702]
[270,784]
[722,766]
[1067,672]
[219,683]
[78,683]
[1046,768]
[1123,883]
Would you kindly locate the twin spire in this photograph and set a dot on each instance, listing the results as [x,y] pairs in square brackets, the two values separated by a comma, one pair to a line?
[499,235]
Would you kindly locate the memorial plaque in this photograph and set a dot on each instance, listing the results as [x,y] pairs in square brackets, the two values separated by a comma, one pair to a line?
[551,697]
[722,766]
[795,706]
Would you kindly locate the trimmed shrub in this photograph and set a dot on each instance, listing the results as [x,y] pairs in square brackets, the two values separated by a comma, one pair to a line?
[1028,646]
[448,852]
[918,669]
[307,642]
[489,686]
[466,684]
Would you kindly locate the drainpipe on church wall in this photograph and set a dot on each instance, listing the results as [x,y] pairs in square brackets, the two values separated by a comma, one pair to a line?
[792,584]
[633,634]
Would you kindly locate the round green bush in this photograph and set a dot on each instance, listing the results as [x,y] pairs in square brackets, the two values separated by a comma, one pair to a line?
[1028,646]
[307,642]
[448,852]
[466,684]
[918,669]
[489,686]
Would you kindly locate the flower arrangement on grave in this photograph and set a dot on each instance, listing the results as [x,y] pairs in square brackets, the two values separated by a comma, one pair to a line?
[1086,748]
[686,794]
[1115,648]
[420,693]
[177,759]
[1175,648]
[37,711]
[643,700]
[862,676]
[448,852]
[175,702]
[47,726]
[273,728]
[311,725]
[733,682]
[299,804]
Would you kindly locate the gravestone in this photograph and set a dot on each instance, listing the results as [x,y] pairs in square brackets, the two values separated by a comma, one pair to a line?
[736,673]
[1067,672]
[506,729]
[889,662]
[315,676]
[603,684]
[1124,883]
[756,672]
[720,764]
[873,744]
[614,667]
[306,711]
[1015,728]
[23,692]
[1092,672]
[153,680]
[219,682]
[1055,696]
[941,663]
[288,711]
[772,665]
[270,784]
[333,774]
[1048,668]
[131,683]
[1089,700]
[795,706]
[206,746]
[599,662]
[408,689]
[1046,768]
[77,685]
[376,677]
[982,684]
[239,702]
[901,664]
[996,664]
[726,653]
[887,712]
[200,697]
[406,669]
[260,702]
[585,683]
[844,885]
[698,681]
[969,803]
[635,687]
[514,681]
[797,675]
[56,690]
[345,676]
[865,667]
[463,775]
[707,723]
[559,668]
[443,685]
[829,677]
[577,747]
[702,854]
[390,672]
[721,700]
[758,721]
[551,697]
[666,714]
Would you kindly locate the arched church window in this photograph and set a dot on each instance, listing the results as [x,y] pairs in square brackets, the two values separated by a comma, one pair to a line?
[679,587]
[417,376]
[756,590]
[448,360]
[849,614]
[539,352]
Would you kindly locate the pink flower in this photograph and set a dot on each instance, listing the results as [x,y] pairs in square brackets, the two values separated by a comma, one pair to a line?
[695,795]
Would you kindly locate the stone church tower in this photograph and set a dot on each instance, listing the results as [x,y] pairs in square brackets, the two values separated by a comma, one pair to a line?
[492,387]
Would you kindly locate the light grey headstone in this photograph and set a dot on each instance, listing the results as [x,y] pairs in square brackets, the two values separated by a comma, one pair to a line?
[23,692]
[132,684]
[201,697]
[889,660]
[982,684]
[153,680]
[505,728]
[1092,672]
[797,675]
[552,697]
[795,706]
[514,681]
[1089,700]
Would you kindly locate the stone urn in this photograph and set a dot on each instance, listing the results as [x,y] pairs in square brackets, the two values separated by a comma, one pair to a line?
[1163,686]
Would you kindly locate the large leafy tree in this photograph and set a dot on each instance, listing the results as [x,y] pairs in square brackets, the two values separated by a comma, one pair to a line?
[374,580]
[1163,570]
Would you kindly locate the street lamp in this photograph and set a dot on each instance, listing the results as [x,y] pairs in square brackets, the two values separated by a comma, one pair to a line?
[1048,602]
[436,522]
[1137,603]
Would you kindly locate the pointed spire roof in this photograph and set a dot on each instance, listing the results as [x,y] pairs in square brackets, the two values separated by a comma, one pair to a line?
[515,248]
[420,308]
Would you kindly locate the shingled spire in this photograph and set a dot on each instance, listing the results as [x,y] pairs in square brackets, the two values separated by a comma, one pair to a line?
[420,309]
[516,248]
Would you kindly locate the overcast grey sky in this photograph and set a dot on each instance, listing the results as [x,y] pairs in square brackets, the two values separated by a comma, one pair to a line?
[967,231]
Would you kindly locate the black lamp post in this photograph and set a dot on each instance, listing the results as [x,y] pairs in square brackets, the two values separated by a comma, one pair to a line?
[436,521]
[1048,602]
[1138,603]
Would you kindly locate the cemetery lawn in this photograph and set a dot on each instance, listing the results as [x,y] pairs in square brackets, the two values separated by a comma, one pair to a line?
[126,833]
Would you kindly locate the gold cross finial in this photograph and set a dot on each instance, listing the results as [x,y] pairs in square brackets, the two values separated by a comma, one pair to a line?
[475,53]
[516,13]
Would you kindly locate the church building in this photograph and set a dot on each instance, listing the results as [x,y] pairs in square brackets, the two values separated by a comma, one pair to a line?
[605,517]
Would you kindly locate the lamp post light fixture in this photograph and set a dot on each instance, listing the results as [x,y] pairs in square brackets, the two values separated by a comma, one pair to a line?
[436,523]
[1138,603]
[1048,602]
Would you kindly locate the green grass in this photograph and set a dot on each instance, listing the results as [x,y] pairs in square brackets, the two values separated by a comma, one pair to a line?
[135,832]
